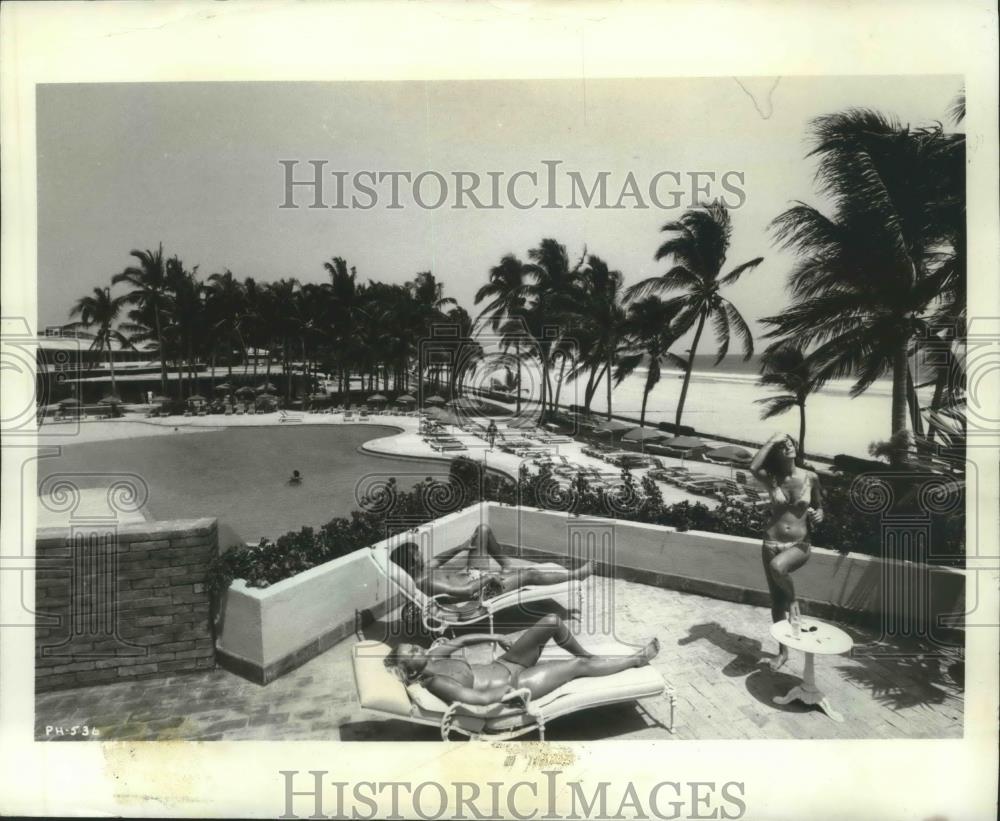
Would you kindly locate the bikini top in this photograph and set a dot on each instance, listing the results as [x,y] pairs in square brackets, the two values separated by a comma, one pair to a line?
[778,495]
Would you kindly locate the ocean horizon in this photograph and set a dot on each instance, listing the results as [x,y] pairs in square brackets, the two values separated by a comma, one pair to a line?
[723,400]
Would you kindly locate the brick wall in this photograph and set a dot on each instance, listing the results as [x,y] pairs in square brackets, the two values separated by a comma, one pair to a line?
[122,603]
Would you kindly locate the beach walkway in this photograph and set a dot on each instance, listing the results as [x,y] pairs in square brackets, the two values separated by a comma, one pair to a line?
[711,653]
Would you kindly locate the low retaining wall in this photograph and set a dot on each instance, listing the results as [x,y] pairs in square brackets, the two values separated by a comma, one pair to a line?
[915,598]
[122,602]
[263,633]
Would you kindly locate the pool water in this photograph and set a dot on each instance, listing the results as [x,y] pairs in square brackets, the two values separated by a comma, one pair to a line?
[240,475]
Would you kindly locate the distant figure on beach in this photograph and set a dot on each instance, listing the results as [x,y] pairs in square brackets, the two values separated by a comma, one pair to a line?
[491,433]
[296,478]
[476,579]
[796,507]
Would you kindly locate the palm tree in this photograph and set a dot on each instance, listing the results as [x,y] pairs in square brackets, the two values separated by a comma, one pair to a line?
[786,367]
[227,305]
[102,310]
[506,292]
[344,311]
[647,329]
[148,281]
[429,304]
[468,351]
[602,322]
[868,273]
[555,280]
[184,331]
[698,248]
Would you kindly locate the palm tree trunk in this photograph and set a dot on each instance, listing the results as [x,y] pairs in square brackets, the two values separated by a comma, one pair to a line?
[802,435]
[900,369]
[588,391]
[111,366]
[642,413]
[159,342]
[916,420]
[687,372]
[517,387]
[608,386]
[305,367]
[559,383]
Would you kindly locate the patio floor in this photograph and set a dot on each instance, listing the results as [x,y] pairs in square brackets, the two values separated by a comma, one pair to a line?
[711,652]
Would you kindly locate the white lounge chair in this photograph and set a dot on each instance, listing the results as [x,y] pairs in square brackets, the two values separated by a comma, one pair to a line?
[438,616]
[379,690]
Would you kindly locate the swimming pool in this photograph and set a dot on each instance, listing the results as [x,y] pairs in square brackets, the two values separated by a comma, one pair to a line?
[240,475]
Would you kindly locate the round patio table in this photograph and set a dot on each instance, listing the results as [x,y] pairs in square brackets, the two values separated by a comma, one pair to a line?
[813,637]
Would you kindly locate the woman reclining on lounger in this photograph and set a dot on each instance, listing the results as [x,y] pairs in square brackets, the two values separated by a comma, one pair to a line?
[455,679]
[476,578]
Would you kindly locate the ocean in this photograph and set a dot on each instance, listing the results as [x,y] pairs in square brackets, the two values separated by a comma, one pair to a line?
[721,400]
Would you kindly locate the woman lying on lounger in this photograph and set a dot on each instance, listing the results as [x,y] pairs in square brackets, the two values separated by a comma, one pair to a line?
[455,679]
[476,579]
[796,506]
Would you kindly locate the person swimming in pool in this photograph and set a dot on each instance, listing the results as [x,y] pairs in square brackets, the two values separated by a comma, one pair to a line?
[455,679]
[796,507]
[476,579]
[296,478]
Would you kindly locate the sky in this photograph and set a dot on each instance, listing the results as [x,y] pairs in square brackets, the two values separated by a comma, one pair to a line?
[196,167]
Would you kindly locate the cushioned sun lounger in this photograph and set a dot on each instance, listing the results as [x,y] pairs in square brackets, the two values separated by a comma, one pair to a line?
[379,690]
[438,616]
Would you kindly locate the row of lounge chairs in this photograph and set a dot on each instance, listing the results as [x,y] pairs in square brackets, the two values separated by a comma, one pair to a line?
[366,411]
[437,436]
[738,489]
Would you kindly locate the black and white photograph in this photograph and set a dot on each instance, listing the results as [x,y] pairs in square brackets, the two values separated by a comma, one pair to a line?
[510,415]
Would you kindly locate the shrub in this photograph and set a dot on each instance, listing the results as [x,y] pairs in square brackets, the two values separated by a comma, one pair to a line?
[845,528]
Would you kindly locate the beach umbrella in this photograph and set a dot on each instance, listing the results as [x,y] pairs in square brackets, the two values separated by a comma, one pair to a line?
[434,400]
[110,399]
[244,391]
[614,426]
[265,387]
[65,403]
[196,398]
[225,386]
[684,444]
[376,398]
[405,399]
[644,435]
[730,454]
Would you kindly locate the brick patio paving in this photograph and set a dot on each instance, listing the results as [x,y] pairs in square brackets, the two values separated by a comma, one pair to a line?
[711,653]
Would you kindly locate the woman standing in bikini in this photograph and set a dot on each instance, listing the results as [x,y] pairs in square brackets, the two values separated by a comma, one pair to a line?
[796,507]
[455,679]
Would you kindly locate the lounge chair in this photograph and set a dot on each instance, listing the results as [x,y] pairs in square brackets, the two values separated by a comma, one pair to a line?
[438,616]
[380,691]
